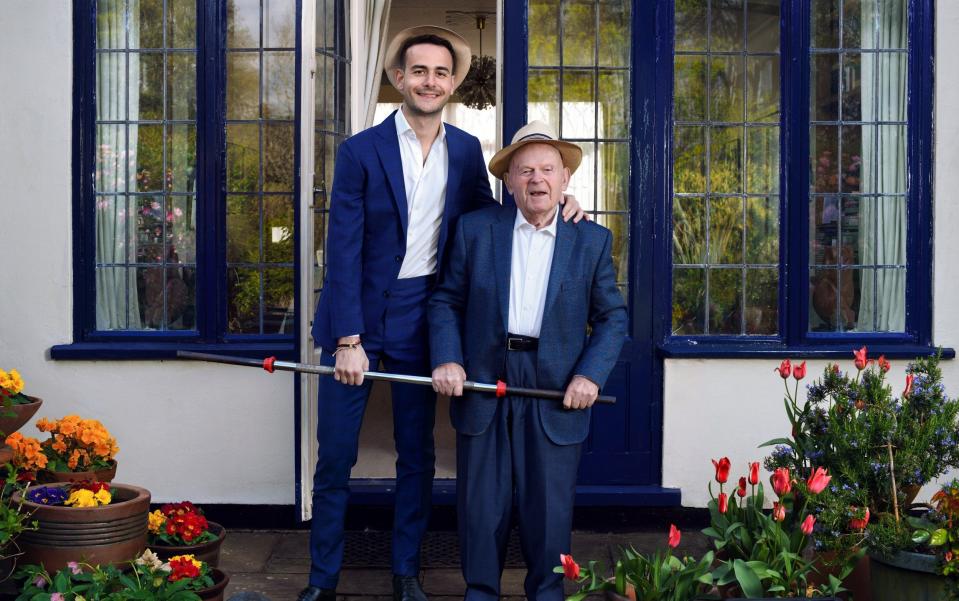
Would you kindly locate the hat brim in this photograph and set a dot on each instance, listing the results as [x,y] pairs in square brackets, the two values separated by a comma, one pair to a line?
[571,153]
[462,56]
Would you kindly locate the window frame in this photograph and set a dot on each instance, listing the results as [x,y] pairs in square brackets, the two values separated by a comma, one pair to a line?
[210,334]
[793,338]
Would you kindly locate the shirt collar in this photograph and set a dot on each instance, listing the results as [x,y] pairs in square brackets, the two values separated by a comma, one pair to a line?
[403,127]
[549,229]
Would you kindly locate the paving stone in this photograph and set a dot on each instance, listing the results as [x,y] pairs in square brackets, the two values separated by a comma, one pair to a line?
[278,587]
[247,551]
[293,545]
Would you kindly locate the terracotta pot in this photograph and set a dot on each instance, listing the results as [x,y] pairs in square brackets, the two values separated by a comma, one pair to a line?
[208,552]
[114,533]
[215,592]
[106,474]
[21,415]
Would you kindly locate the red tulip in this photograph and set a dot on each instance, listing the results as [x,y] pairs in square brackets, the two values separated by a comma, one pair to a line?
[570,567]
[807,524]
[779,511]
[782,483]
[722,469]
[859,523]
[723,502]
[883,364]
[674,536]
[818,480]
[754,473]
[861,361]
[908,390]
[784,369]
[799,371]
[741,491]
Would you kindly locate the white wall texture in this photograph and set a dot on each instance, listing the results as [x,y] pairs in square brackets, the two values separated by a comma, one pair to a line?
[218,434]
[211,434]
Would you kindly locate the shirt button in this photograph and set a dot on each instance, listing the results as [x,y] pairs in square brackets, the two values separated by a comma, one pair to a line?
[398,258]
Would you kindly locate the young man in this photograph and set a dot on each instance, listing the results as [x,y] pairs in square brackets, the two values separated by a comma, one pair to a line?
[518,291]
[398,188]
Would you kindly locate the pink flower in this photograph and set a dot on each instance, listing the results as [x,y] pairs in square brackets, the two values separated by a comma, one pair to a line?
[818,480]
[74,567]
[40,582]
[782,483]
[908,390]
[779,511]
[674,536]
[57,597]
[807,524]
[799,371]
[784,369]
[861,361]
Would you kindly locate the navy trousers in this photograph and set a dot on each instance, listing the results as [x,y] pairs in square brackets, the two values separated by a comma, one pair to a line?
[400,341]
[514,460]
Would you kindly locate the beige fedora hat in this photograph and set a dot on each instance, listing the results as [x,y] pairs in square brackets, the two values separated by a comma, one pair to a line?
[536,132]
[461,51]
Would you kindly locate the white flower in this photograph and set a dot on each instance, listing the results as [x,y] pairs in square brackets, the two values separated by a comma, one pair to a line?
[150,559]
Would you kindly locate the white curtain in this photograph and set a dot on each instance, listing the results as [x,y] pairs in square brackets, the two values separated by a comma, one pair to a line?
[374,27]
[117,100]
[882,219]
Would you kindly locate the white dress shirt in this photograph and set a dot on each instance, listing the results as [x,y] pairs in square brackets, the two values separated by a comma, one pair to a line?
[531,260]
[425,183]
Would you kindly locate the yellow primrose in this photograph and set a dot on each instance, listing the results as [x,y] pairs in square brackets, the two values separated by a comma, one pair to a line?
[16,381]
[81,498]
[103,496]
[156,520]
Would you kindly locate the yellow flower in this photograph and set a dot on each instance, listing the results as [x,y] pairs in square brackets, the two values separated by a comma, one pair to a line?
[16,381]
[156,521]
[81,498]
[103,497]
[5,381]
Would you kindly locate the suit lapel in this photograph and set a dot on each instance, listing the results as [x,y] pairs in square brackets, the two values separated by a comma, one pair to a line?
[565,239]
[502,231]
[389,153]
[456,160]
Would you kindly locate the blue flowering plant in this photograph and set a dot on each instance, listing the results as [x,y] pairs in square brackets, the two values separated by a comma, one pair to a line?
[879,446]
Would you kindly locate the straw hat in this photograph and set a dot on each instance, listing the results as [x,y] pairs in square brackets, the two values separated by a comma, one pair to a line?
[536,132]
[461,51]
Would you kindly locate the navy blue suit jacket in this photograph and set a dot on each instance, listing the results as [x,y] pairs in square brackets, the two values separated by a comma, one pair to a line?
[366,240]
[469,312]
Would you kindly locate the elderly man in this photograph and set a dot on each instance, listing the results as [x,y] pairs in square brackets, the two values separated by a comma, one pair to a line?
[516,297]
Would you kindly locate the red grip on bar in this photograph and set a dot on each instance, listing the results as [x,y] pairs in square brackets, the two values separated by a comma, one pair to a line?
[268,364]
[500,388]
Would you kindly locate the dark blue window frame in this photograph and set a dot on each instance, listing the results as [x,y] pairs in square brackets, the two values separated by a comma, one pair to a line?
[210,334]
[794,340]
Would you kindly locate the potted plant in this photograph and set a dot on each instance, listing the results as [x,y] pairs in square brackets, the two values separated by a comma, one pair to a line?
[182,529]
[760,552]
[77,450]
[183,578]
[879,447]
[16,408]
[13,523]
[94,522]
[659,577]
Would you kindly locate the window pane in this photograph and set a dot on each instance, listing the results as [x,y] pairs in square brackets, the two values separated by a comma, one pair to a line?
[726,230]
[689,231]
[242,229]
[762,160]
[278,164]
[543,24]
[691,21]
[278,229]
[689,301]
[762,230]
[689,86]
[613,184]
[825,23]
[614,38]
[579,105]
[689,159]
[146,24]
[278,301]
[243,23]
[762,301]
[824,87]
[181,23]
[762,89]
[149,86]
[111,24]
[181,87]
[278,85]
[242,85]
[726,88]
[181,158]
[725,301]
[613,104]
[243,301]
[279,23]
[579,32]
[242,157]
[726,159]
[762,20]
[727,25]
[543,95]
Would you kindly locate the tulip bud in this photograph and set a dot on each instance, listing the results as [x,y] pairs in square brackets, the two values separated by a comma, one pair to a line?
[784,369]
[570,567]
[741,491]
[782,482]
[754,473]
[883,364]
[807,524]
[779,511]
[723,502]
[674,536]
[908,390]
[861,360]
[799,371]
[722,469]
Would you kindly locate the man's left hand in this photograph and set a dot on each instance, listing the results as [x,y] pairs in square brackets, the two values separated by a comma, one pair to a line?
[572,209]
[581,393]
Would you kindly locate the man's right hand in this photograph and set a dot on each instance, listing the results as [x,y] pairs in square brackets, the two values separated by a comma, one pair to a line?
[448,379]
[350,363]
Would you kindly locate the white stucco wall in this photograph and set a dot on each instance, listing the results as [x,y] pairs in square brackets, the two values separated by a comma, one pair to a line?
[727,407]
[211,434]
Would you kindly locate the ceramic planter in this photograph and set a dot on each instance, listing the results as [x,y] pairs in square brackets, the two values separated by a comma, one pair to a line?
[106,474]
[215,592]
[114,533]
[208,552]
[912,576]
[21,415]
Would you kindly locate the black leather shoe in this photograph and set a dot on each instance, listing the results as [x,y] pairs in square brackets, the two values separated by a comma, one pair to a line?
[407,588]
[315,593]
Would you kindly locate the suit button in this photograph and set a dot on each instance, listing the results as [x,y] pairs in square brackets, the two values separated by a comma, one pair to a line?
[386,294]
[398,259]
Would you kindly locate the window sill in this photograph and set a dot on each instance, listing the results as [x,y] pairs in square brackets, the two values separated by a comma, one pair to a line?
[694,349]
[124,351]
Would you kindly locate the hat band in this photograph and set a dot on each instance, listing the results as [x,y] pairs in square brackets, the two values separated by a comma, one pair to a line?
[533,137]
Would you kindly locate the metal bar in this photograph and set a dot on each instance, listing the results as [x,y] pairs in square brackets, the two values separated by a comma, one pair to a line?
[270,365]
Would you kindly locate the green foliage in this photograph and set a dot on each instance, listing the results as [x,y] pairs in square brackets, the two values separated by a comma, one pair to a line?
[13,521]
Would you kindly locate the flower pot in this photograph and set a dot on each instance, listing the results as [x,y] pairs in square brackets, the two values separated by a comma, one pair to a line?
[215,592]
[6,454]
[106,474]
[113,533]
[857,583]
[21,415]
[208,552]
[912,576]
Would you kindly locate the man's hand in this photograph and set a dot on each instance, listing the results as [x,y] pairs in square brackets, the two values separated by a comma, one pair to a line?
[572,209]
[448,379]
[350,363]
[581,393]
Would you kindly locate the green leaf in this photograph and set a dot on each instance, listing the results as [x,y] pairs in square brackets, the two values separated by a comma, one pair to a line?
[775,441]
[920,536]
[748,580]
[939,537]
